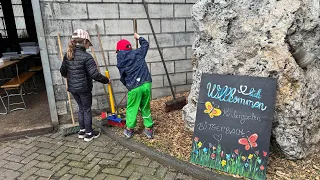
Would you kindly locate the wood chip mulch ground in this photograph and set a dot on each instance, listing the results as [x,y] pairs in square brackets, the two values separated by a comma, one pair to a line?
[172,137]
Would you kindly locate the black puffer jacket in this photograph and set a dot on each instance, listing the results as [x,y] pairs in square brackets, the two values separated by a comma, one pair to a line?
[80,71]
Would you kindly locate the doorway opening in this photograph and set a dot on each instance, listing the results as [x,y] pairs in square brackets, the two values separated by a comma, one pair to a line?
[24,107]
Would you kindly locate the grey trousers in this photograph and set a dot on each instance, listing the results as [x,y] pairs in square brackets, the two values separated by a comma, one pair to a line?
[84,101]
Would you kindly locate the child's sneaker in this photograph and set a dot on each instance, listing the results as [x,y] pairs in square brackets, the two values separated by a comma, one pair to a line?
[81,133]
[128,132]
[90,136]
[148,133]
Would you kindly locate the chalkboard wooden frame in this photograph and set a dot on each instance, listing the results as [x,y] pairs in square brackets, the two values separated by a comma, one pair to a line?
[233,124]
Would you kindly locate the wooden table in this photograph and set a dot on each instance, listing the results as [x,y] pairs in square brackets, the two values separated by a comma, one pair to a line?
[8,63]
[22,56]
[23,59]
[14,61]
[2,66]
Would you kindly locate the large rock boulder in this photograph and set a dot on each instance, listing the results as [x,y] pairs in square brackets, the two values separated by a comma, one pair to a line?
[266,38]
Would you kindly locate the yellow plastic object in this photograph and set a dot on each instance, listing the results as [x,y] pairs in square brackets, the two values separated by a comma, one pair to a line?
[113,110]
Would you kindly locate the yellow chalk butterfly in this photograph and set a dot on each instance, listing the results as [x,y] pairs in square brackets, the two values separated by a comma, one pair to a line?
[212,111]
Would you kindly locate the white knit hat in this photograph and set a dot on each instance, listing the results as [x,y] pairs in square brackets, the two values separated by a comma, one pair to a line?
[83,34]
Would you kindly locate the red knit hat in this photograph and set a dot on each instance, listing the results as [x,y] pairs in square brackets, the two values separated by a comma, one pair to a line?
[123,45]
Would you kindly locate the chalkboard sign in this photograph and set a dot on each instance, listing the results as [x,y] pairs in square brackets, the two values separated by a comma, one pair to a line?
[233,124]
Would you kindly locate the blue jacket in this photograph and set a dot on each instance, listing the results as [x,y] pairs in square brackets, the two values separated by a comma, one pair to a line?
[133,67]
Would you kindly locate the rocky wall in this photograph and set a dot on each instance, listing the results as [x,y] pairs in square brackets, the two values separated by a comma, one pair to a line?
[266,38]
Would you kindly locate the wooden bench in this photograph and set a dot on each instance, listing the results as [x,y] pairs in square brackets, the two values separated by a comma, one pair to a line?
[35,68]
[18,80]
[14,84]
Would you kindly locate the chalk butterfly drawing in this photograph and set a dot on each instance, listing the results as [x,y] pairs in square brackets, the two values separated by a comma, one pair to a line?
[249,142]
[212,111]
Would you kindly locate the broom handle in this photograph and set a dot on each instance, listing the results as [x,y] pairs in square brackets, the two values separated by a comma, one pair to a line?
[101,47]
[135,29]
[94,57]
[95,60]
[111,94]
[68,93]
[125,95]
[155,39]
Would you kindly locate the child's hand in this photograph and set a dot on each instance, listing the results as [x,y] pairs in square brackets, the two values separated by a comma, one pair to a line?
[136,36]
[109,81]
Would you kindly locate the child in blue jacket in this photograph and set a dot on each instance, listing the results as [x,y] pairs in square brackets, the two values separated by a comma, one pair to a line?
[135,75]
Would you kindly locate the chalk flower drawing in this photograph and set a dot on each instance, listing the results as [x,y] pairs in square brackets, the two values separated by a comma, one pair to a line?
[223,162]
[264,153]
[228,156]
[246,165]
[213,156]
[234,162]
[259,160]
[236,151]
[243,158]
[212,111]
[221,154]
[196,139]
[257,153]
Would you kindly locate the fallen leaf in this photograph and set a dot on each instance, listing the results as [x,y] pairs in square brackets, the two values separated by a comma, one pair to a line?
[293,163]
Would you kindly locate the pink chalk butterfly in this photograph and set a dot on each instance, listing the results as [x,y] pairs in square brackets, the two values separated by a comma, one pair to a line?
[249,142]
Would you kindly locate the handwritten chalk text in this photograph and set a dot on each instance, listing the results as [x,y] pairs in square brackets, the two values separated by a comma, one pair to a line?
[227,94]
[226,130]
[227,112]
[252,92]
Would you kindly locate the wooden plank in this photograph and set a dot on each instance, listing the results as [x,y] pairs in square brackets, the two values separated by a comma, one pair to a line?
[36,68]
[18,81]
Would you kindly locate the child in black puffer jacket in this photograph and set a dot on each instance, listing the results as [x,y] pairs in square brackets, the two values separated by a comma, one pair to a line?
[79,68]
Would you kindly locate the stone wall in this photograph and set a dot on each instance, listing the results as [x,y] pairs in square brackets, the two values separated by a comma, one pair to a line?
[172,23]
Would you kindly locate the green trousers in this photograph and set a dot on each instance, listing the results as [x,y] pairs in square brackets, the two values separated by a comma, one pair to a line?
[139,98]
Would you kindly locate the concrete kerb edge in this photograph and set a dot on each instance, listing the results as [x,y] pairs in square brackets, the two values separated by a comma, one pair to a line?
[163,158]
[28,133]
